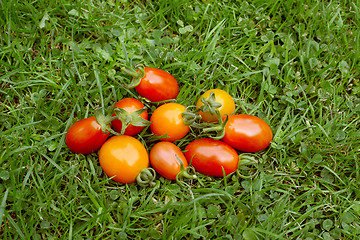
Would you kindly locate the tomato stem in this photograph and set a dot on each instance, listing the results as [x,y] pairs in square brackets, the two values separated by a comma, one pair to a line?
[248,176]
[146,178]
[104,120]
[218,128]
[136,75]
[246,160]
[192,118]
[188,172]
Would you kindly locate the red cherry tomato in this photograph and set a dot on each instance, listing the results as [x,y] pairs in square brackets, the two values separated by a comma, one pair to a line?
[165,157]
[157,85]
[167,119]
[212,157]
[123,157]
[222,97]
[130,105]
[85,136]
[247,133]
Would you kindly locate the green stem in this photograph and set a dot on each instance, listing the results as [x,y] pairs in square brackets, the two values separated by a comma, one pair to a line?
[188,173]
[191,116]
[218,128]
[246,160]
[146,178]
[248,176]
[104,120]
[136,75]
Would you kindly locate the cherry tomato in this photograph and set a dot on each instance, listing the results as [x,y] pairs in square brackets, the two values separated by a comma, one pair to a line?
[123,157]
[157,85]
[85,136]
[167,119]
[247,133]
[130,105]
[165,157]
[212,157]
[222,97]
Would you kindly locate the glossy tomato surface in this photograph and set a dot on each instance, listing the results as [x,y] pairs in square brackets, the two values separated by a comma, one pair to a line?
[123,157]
[222,97]
[85,136]
[157,85]
[130,105]
[165,157]
[212,157]
[167,119]
[247,133]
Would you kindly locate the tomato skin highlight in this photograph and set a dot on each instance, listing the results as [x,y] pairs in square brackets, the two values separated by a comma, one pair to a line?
[167,119]
[123,157]
[210,157]
[247,133]
[221,96]
[85,136]
[130,105]
[164,159]
[157,85]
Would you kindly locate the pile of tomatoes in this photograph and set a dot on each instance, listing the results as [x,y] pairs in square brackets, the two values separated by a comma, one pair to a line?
[126,160]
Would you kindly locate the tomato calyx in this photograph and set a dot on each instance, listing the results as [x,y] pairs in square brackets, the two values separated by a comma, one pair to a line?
[191,116]
[136,75]
[210,104]
[191,119]
[104,120]
[127,118]
[146,178]
[218,128]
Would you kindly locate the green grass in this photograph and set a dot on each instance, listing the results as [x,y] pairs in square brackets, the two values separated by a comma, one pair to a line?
[293,63]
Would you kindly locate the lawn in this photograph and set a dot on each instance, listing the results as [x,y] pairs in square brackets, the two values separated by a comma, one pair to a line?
[294,64]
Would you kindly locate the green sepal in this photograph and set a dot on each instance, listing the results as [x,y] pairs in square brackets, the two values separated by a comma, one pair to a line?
[218,128]
[104,120]
[191,117]
[136,75]
[133,118]
[210,104]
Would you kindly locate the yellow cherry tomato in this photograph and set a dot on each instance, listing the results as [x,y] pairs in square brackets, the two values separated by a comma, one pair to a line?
[222,97]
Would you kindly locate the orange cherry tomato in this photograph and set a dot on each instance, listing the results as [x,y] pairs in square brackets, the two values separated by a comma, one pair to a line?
[247,133]
[167,119]
[165,157]
[123,157]
[85,136]
[212,157]
[222,97]
[130,105]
